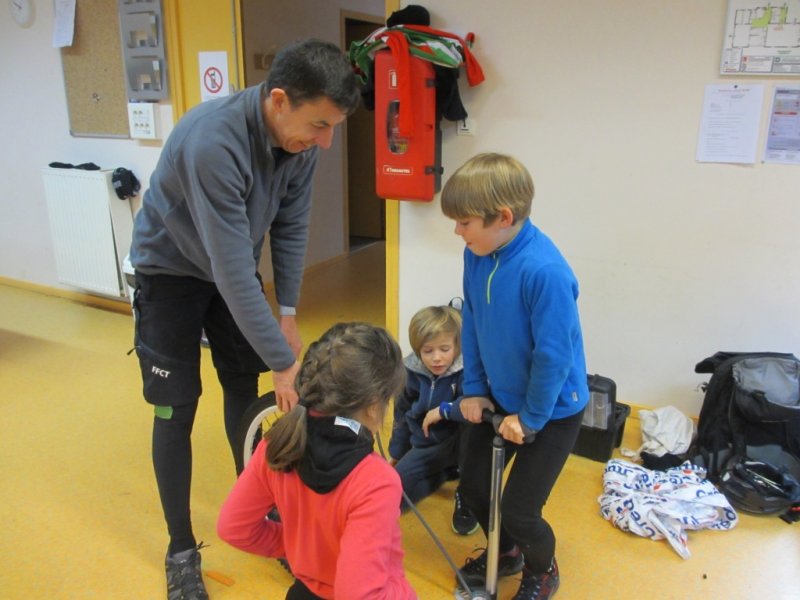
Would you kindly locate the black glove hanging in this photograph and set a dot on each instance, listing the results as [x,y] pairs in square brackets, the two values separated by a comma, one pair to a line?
[125,183]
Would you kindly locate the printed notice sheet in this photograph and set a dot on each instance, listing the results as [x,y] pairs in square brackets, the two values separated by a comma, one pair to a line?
[729,124]
[64,29]
[783,136]
[761,38]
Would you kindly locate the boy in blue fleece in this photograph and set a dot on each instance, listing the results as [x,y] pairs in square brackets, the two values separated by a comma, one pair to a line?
[425,435]
[523,358]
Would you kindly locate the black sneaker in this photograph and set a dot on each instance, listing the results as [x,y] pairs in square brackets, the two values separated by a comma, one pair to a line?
[474,570]
[464,522]
[538,587]
[452,474]
[184,577]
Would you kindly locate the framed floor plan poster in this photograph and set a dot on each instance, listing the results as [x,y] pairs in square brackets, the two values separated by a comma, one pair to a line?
[761,38]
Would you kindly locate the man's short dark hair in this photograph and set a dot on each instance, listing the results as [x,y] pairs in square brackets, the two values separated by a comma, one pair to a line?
[310,69]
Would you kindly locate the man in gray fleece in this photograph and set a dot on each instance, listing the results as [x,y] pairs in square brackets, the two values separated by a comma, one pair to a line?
[233,170]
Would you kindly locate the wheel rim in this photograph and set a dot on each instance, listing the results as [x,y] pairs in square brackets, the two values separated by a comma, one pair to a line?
[265,419]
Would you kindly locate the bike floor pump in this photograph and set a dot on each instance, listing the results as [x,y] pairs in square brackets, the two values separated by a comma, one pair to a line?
[495,496]
[463,591]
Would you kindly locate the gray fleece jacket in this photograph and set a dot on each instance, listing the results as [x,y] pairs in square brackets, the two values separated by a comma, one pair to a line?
[213,196]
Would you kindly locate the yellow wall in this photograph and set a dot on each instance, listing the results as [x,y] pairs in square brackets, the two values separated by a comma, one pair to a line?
[195,26]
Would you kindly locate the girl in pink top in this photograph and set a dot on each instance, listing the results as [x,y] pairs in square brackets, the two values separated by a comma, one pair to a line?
[338,500]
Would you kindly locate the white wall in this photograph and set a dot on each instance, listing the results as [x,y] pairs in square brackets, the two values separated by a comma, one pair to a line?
[35,130]
[602,102]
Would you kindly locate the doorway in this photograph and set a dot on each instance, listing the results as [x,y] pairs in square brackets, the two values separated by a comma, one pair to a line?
[366,214]
[347,169]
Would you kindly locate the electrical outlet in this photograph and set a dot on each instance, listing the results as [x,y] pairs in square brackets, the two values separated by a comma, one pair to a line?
[142,120]
[466,127]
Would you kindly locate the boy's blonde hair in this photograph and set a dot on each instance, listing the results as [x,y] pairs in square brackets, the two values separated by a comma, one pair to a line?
[485,184]
[431,322]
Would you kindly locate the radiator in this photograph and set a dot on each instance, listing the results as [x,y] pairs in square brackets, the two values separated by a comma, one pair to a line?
[91,229]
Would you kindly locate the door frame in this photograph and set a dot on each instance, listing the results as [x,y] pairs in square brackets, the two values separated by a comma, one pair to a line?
[392,242]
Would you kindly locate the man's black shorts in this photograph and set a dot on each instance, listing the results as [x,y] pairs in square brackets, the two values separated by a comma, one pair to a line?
[171,313]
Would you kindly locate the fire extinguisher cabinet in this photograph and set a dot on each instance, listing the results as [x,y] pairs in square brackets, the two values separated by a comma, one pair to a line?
[407,167]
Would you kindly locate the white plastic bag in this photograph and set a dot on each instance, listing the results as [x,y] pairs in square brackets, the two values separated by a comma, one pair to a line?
[665,430]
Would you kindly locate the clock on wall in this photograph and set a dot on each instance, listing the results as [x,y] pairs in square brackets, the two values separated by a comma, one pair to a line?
[22,11]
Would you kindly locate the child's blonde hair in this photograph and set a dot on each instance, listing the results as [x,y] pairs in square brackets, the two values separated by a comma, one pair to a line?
[433,321]
[485,184]
[349,368]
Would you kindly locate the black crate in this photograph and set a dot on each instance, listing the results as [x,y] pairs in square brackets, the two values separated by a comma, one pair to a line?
[598,444]
[602,398]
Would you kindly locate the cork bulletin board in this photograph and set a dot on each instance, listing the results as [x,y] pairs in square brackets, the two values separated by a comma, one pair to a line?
[94,76]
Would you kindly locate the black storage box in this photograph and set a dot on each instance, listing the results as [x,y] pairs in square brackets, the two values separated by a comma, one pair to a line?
[598,444]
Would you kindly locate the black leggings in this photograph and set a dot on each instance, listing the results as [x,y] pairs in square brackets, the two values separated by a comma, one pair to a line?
[532,477]
[172,454]
[171,312]
[239,391]
[172,461]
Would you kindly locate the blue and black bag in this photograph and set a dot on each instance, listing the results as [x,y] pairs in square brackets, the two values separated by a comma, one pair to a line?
[750,412]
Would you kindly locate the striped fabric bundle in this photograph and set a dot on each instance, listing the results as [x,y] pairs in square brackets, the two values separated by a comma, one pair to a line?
[663,504]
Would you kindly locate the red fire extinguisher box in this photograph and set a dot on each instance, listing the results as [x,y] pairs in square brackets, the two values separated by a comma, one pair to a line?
[407,163]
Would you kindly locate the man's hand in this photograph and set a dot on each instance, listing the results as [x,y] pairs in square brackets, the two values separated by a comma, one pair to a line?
[472,408]
[283,381]
[292,335]
[431,417]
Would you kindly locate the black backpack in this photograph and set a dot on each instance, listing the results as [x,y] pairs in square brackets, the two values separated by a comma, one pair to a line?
[736,418]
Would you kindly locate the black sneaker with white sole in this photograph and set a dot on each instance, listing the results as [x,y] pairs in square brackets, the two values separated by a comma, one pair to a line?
[474,569]
[464,522]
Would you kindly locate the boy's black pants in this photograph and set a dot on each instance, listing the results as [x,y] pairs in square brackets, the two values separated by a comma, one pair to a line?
[533,475]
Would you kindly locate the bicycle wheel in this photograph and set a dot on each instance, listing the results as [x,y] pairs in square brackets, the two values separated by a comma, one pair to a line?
[259,417]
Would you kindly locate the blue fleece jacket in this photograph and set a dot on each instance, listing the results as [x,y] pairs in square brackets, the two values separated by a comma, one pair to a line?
[521,337]
[423,392]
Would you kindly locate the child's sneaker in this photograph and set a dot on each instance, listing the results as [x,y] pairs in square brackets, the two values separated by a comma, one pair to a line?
[452,474]
[184,577]
[474,570]
[538,587]
[464,522]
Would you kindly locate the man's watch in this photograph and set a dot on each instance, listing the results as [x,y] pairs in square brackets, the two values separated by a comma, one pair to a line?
[287,311]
